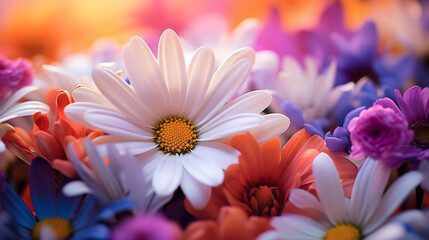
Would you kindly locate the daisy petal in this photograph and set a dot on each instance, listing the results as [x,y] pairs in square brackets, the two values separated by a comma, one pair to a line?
[76,188]
[229,126]
[297,226]
[115,124]
[197,193]
[199,75]
[203,169]
[123,145]
[329,188]
[15,97]
[143,71]
[224,89]
[273,125]
[75,111]
[393,197]
[42,188]
[167,175]
[172,65]
[111,85]
[84,94]
[222,154]
[23,109]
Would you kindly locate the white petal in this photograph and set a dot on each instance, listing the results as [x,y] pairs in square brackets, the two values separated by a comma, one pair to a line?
[367,190]
[223,89]
[168,175]
[124,145]
[203,169]
[23,109]
[145,77]
[76,188]
[273,125]
[173,69]
[76,111]
[393,197]
[200,72]
[251,102]
[229,126]
[197,193]
[15,97]
[122,96]
[115,124]
[60,78]
[329,188]
[84,94]
[2,147]
[223,154]
[297,226]
[304,200]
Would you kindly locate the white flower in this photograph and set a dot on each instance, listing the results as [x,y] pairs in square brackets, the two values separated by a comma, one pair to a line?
[367,209]
[121,178]
[177,119]
[10,109]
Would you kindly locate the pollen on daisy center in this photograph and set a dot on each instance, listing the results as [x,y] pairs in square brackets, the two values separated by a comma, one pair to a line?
[343,231]
[264,200]
[175,135]
[61,228]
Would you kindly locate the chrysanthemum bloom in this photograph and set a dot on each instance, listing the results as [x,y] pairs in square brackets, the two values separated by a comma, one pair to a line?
[262,180]
[414,106]
[380,133]
[112,177]
[50,140]
[333,216]
[55,213]
[178,119]
[232,223]
[151,227]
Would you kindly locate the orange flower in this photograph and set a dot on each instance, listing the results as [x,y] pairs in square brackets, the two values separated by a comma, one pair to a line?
[50,140]
[233,223]
[262,180]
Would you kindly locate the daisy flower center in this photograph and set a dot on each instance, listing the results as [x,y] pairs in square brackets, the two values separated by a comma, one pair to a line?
[175,135]
[343,231]
[421,135]
[264,200]
[61,228]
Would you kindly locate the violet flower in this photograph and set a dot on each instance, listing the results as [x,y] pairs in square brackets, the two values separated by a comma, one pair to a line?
[150,227]
[414,107]
[382,134]
[14,74]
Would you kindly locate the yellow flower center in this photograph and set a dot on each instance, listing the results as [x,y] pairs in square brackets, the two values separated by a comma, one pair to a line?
[175,135]
[344,232]
[265,200]
[61,228]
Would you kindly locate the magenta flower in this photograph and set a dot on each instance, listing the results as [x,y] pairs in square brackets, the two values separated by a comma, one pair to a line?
[150,227]
[382,134]
[414,106]
[14,74]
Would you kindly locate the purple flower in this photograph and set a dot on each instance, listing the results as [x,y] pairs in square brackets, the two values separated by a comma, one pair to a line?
[150,227]
[15,74]
[414,107]
[382,134]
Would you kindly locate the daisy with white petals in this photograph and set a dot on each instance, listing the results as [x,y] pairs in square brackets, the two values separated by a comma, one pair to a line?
[176,118]
[337,217]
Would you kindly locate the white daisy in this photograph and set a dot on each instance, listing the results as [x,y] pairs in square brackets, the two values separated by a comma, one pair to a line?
[302,87]
[177,119]
[10,108]
[113,181]
[338,217]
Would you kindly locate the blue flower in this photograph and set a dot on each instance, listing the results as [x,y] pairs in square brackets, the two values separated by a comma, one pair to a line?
[56,214]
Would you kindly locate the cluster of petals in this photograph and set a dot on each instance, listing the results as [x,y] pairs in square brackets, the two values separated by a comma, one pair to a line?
[265,175]
[163,88]
[368,208]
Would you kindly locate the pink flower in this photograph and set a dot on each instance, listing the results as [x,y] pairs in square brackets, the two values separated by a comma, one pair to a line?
[382,134]
[15,74]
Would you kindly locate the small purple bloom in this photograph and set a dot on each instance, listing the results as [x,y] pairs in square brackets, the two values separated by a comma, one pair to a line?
[414,106]
[15,74]
[382,134]
[150,227]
